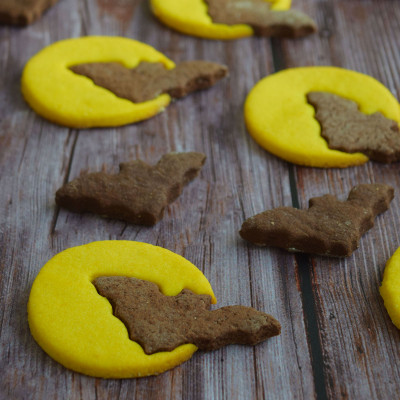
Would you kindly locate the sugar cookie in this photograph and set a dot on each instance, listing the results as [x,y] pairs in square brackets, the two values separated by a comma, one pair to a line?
[390,289]
[162,323]
[55,92]
[138,194]
[75,325]
[346,128]
[148,80]
[329,227]
[191,17]
[281,120]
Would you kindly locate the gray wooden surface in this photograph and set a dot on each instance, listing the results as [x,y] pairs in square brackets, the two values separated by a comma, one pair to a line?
[337,340]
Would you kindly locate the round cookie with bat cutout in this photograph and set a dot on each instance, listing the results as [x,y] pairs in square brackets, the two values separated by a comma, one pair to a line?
[122,309]
[233,19]
[100,81]
[324,117]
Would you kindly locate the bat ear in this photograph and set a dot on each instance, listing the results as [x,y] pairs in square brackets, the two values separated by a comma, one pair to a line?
[376,197]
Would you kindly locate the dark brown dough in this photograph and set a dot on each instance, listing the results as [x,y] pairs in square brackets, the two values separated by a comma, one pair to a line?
[23,12]
[264,21]
[347,129]
[162,323]
[329,227]
[138,194]
[149,80]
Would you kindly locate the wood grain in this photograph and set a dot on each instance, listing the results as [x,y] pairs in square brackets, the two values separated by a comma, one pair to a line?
[337,340]
[359,344]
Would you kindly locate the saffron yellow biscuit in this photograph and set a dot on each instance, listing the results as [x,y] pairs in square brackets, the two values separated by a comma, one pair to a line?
[191,17]
[61,96]
[390,289]
[75,325]
[280,119]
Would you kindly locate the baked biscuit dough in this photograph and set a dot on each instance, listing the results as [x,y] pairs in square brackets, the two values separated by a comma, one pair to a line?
[61,96]
[191,17]
[76,326]
[390,289]
[280,119]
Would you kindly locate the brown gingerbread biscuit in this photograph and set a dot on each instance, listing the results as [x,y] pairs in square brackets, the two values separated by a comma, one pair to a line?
[162,323]
[23,12]
[329,227]
[149,80]
[264,21]
[138,194]
[347,129]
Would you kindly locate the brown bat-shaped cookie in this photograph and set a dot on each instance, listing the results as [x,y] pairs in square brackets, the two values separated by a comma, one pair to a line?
[329,227]
[263,20]
[162,323]
[149,80]
[347,129]
[138,194]
[22,12]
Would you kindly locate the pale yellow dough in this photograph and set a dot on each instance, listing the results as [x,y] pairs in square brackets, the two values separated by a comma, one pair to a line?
[58,94]
[75,325]
[191,17]
[280,119]
[390,289]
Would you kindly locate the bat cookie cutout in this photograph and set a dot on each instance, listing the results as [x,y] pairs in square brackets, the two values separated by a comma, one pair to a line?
[347,129]
[329,227]
[324,117]
[23,12]
[162,323]
[149,80]
[100,81]
[138,194]
[232,19]
[75,325]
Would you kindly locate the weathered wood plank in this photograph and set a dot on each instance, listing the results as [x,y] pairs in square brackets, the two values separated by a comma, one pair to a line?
[202,224]
[360,346]
[340,321]
[208,230]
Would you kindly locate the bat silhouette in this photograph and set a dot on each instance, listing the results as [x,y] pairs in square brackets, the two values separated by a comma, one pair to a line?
[329,227]
[23,12]
[347,129]
[138,194]
[149,80]
[263,20]
[162,323]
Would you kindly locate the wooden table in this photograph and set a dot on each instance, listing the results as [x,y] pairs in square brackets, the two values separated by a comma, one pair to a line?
[337,340]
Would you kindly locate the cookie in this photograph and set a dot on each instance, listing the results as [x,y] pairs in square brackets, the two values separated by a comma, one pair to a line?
[138,194]
[346,128]
[58,94]
[263,20]
[329,227]
[162,323]
[279,117]
[192,17]
[149,80]
[23,12]
[390,289]
[75,325]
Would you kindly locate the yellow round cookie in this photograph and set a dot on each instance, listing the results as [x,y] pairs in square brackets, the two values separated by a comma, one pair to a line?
[390,289]
[280,119]
[191,17]
[61,96]
[75,325]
